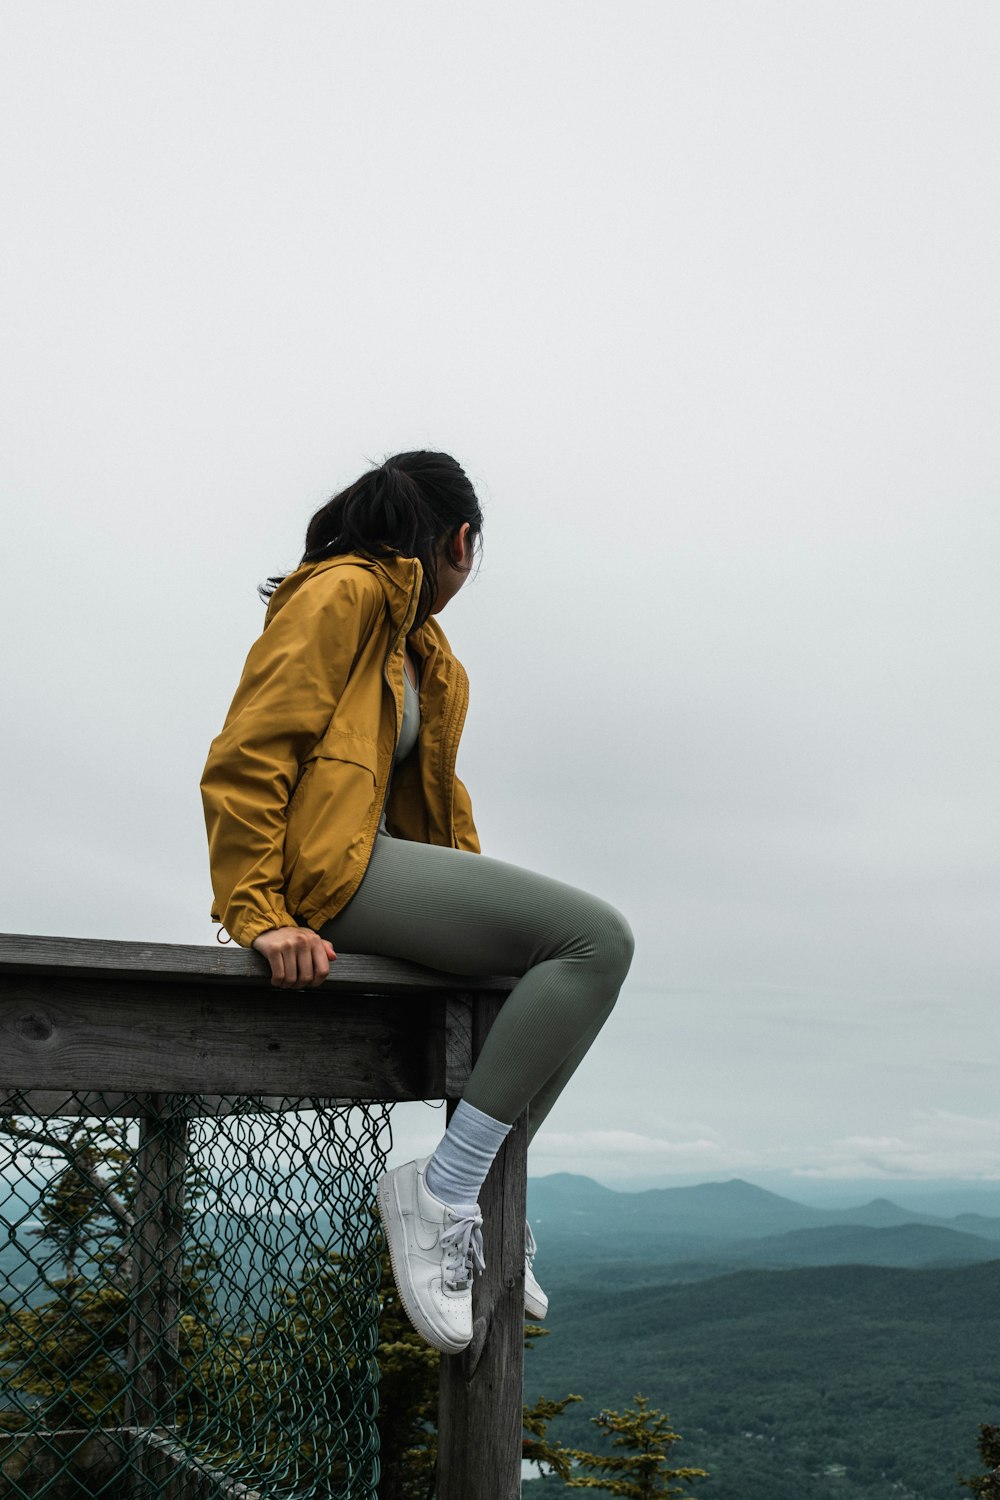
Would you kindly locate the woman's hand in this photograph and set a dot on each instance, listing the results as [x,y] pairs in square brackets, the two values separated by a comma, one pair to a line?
[299,958]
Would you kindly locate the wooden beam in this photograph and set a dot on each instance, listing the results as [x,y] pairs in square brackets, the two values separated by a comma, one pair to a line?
[68,1033]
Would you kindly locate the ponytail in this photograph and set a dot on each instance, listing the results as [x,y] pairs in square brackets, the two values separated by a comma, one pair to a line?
[406,508]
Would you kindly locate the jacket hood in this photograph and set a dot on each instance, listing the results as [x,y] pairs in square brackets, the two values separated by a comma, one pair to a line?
[400,578]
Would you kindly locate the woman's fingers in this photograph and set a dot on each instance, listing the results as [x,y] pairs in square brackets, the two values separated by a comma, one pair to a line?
[320,955]
[299,958]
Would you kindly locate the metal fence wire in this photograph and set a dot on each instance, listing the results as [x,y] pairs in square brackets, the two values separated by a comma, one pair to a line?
[190,1298]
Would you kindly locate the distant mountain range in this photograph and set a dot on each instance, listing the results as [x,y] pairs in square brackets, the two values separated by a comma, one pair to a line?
[703,1230]
[660,1235]
[834,1354]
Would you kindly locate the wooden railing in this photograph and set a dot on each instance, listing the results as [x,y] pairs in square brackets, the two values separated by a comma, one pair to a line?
[117,1019]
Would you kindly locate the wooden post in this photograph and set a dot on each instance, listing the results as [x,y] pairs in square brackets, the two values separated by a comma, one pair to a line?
[157,1253]
[481,1391]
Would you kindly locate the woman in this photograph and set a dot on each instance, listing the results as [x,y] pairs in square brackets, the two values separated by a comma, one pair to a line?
[335,820]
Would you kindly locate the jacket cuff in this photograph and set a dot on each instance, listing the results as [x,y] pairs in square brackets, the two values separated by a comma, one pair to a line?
[257,922]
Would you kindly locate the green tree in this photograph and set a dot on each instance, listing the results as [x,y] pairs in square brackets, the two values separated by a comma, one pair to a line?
[64,1353]
[640,1469]
[538,1448]
[407,1404]
[68,1352]
[77,1204]
[987,1486]
[89,1198]
[67,1364]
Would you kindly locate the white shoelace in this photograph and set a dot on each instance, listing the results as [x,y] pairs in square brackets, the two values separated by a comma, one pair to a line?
[463,1247]
[530,1248]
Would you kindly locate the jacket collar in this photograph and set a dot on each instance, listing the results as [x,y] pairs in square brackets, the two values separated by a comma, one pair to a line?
[400,578]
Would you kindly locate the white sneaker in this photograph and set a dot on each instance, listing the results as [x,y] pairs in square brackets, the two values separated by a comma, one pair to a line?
[434,1251]
[536,1304]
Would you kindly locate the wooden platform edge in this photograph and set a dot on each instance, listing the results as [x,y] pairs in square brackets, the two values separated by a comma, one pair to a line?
[103,958]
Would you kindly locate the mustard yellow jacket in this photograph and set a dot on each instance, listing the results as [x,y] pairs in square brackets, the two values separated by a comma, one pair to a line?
[295,783]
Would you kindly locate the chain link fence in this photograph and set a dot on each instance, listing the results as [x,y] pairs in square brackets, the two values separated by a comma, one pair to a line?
[189,1298]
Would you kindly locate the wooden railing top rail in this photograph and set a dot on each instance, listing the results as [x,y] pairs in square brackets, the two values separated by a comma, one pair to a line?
[84,1015]
[101,958]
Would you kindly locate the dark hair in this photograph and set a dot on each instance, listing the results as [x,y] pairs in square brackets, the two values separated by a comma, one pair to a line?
[407,506]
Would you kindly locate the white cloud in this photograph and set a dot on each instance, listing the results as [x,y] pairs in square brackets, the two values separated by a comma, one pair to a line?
[934,1144]
[611,1154]
[937,1144]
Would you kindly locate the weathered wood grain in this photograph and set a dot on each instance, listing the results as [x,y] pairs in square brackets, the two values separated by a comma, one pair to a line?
[216,964]
[47,1103]
[481,1391]
[458,1012]
[156,1261]
[66,1033]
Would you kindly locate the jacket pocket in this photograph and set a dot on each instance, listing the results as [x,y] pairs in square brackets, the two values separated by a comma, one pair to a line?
[326,834]
[341,744]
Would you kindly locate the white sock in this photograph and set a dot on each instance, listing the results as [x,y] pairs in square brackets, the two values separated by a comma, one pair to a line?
[458,1168]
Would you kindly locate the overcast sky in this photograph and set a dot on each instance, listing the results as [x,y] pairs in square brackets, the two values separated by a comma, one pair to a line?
[705,298]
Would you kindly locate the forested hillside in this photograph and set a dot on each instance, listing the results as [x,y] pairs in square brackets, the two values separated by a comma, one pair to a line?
[791,1385]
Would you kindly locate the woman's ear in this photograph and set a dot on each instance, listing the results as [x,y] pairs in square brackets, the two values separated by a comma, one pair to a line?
[460,547]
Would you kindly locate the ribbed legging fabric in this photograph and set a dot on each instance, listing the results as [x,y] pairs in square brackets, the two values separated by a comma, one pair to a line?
[469,914]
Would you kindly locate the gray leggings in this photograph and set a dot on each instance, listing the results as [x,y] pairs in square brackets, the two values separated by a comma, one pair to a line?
[468,914]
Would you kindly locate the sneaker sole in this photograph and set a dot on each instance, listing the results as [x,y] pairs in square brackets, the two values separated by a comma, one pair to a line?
[533,1309]
[392,1228]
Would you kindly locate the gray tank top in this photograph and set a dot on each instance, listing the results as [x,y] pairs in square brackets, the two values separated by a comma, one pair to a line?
[408,732]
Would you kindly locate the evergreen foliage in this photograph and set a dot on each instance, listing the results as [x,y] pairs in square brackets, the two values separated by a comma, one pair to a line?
[538,1448]
[639,1468]
[987,1486]
[407,1404]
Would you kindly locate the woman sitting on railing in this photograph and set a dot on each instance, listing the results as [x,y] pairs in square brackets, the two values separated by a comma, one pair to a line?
[335,818]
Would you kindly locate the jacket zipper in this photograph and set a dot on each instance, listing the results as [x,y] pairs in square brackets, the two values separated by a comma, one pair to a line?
[396,733]
[385,794]
[450,741]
